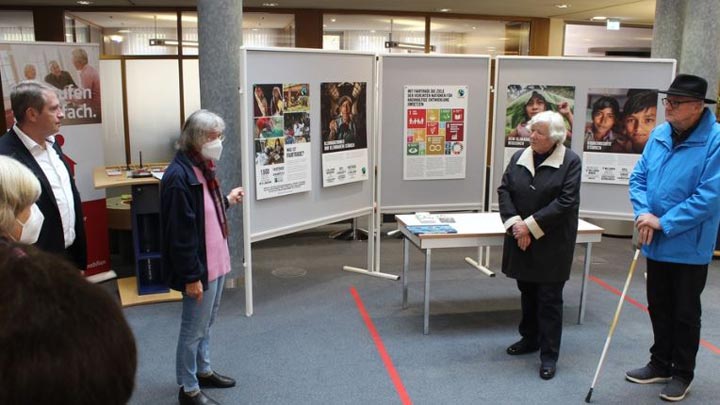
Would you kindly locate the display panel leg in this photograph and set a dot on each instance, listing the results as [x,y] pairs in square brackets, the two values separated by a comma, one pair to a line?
[354,233]
[406,262]
[583,287]
[426,318]
[247,264]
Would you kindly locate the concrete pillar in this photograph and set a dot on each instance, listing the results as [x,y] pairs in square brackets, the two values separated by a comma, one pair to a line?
[220,39]
[686,30]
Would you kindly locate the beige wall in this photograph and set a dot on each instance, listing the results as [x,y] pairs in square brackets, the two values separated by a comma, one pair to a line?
[556,37]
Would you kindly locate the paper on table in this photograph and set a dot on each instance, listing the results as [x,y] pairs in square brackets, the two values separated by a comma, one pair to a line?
[426,218]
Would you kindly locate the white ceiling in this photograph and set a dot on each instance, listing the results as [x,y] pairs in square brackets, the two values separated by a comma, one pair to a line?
[628,11]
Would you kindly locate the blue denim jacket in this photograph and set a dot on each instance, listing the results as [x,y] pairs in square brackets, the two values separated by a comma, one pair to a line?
[681,186]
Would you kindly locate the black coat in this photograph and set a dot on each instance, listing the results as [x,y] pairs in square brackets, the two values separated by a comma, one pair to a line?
[551,197]
[51,238]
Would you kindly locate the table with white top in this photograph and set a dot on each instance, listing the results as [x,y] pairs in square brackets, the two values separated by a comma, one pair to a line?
[477,230]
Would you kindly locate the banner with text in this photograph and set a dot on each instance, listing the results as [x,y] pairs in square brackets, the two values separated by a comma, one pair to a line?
[281,134]
[618,123]
[434,132]
[72,70]
[344,132]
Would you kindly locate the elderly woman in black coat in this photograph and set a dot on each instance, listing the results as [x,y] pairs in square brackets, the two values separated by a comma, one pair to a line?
[539,199]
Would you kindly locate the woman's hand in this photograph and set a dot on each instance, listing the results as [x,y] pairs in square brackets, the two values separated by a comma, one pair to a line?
[524,242]
[236,195]
[194,290]
[520,229]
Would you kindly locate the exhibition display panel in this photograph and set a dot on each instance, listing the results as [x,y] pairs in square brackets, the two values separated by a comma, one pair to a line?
[307,142]
[609,107]
[432,130]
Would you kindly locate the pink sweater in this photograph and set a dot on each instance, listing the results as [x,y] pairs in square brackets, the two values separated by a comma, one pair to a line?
[216,246]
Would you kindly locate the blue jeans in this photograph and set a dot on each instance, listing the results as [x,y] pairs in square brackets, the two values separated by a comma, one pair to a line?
[193,349]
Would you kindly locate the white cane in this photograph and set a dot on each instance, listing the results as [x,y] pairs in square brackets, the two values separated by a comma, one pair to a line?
[613,324]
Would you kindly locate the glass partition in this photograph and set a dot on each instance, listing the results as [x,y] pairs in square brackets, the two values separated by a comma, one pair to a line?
[486,37]
[597,40]
[17,26]
[130,33]
[373,33]
[268,30]
[189,21]
[153,116]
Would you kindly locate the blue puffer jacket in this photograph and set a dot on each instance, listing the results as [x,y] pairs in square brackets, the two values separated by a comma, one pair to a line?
[681,186]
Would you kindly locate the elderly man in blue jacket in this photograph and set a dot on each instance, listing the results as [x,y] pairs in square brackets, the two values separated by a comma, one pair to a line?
[675,193]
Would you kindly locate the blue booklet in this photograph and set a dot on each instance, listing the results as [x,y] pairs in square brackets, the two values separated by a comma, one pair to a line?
[431,229]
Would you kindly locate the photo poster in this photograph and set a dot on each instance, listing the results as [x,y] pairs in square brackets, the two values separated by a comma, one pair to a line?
[71,69]
[524,102]
[618,123]
[281,135]
[343,114]
[434,138]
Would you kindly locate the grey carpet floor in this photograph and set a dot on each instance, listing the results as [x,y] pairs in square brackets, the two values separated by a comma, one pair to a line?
[308,344]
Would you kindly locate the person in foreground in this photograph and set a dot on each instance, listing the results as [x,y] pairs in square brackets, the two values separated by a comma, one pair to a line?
[20,218]
[195,251]
[64,340]
[539,199]
[675,193]
[31,141]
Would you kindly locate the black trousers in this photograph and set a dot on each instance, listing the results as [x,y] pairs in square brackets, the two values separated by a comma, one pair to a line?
[542,314]
[673,293]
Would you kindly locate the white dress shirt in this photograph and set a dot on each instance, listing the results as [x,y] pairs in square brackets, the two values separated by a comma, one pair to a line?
[58,177]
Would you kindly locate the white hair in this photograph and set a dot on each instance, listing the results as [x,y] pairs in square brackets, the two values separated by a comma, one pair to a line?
[19,189]
[555,122]
[197,127]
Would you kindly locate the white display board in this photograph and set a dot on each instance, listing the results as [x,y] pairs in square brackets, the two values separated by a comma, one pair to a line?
[585,77]
[280,215]
[267,215]
[401,73]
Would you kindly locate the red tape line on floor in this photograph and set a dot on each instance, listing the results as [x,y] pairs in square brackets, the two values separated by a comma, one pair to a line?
[644,308]
[387,361]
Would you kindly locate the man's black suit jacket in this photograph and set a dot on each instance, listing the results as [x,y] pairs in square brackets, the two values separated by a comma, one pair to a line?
[51,237]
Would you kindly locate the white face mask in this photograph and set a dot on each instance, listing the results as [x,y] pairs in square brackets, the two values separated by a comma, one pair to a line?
[31,228]
[212,150]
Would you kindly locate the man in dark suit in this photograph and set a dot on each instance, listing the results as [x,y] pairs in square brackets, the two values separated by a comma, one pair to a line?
[38,114]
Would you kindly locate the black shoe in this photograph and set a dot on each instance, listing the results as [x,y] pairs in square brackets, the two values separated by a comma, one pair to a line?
[547,371]
[199,399]
[676,390]
[215,380]
[647,375]
[522,347]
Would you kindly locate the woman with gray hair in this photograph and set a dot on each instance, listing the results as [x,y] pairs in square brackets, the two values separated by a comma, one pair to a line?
[20,218]
[195,250]
[539,200]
